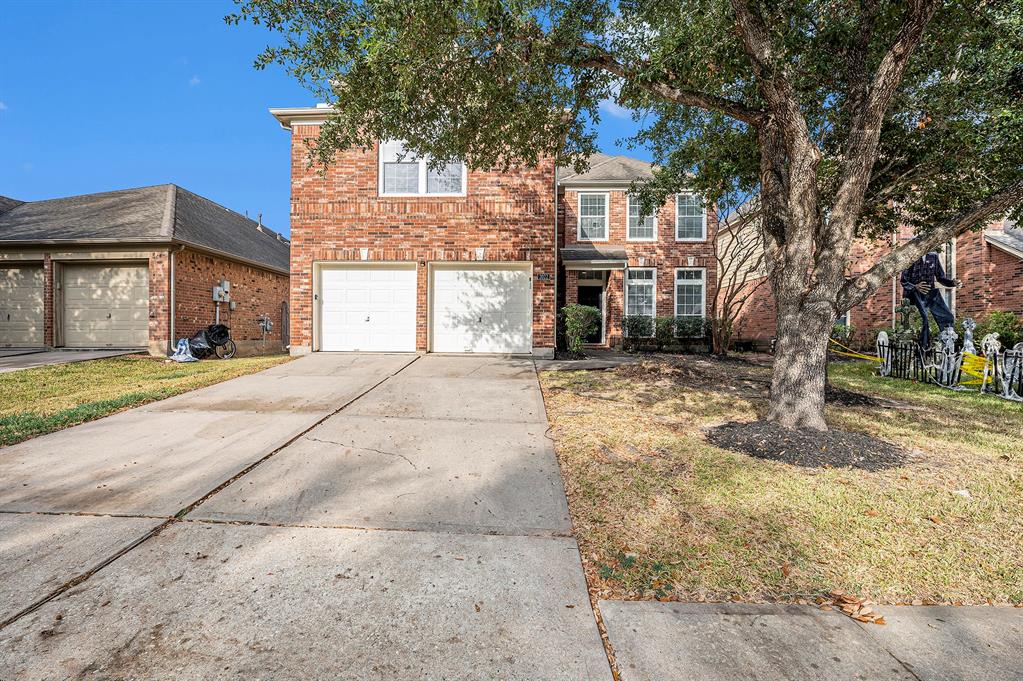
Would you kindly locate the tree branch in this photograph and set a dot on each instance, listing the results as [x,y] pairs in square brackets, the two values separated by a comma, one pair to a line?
[857,289]
[701,100]
[868,108]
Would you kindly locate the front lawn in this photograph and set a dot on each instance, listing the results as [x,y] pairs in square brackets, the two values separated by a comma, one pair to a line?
[44,399]
[661,513]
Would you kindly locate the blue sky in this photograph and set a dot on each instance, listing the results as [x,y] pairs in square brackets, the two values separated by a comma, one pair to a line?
[96,96]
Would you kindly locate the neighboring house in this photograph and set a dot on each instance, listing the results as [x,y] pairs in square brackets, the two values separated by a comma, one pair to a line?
[135,269]
[389,255]
[989,262]
[624,263]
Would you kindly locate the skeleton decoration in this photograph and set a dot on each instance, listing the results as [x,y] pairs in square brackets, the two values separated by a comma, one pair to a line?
[1001,368]
[884,352]
[969,326]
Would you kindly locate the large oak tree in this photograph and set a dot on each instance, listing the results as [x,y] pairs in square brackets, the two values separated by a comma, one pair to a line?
[847,116]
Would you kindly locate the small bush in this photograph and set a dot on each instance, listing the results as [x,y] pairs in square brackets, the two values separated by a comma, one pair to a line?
[1007,325]
[580,322]
[665,331]
[638,326]
[690,327]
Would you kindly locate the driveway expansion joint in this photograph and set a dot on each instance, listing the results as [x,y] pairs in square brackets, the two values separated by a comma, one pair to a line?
[75,581]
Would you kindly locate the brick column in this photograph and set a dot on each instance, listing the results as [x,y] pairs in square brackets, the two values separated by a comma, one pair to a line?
[47,301]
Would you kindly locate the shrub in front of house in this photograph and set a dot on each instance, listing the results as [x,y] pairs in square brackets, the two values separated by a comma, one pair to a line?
[1007,325]
[673,334]
[638,328]
[580,321]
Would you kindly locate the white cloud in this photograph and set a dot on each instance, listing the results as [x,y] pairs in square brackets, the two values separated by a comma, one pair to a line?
[3,106]
[615,109]
[194,80]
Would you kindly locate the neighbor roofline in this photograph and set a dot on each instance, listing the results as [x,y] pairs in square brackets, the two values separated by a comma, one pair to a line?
[142,241]
[1011,250]
[597,184]
[304,115]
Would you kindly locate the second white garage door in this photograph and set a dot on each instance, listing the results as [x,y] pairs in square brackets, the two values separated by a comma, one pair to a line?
[368,308]
[482,308]
[106,306]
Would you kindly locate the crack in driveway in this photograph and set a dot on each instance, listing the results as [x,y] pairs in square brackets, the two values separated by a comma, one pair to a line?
[364,449]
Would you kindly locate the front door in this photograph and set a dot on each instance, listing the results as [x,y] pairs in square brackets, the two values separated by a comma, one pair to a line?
[594,297]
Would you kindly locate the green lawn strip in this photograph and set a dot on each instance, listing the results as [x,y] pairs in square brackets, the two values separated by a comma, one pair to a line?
[37,401]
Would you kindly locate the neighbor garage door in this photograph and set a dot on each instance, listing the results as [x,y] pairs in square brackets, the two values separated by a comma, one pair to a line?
[21,306]
[368,308]
[482,308]
[106,306]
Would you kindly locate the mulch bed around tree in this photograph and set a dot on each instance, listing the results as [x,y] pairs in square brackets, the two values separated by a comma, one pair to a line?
[810,449]
[848,398]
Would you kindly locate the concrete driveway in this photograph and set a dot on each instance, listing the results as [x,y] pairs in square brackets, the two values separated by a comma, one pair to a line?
[17,360]
[340,516]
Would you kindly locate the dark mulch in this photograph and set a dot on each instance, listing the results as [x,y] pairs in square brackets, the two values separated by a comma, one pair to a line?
[811,449]
[848,398]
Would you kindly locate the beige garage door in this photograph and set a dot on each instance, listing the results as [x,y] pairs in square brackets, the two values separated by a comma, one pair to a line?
[21,306]
[106,306]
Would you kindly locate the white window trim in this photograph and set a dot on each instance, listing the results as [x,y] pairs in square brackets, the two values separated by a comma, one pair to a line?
[703,301]
[422,179]
[703,222]
[628,217]
[625,302]
[579,216]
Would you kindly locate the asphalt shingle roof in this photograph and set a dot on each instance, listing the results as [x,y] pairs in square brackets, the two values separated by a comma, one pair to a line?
[7,203]
[161,214]
[605,168]
[575,253]
[1010,237]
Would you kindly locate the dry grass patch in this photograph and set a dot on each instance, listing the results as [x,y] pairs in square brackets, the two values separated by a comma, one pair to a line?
[661,513]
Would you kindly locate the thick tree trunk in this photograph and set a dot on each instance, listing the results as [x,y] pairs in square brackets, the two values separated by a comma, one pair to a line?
[800,368]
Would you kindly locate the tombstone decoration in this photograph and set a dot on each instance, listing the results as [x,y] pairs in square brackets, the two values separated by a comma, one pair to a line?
[1001,369]
[946,366]
[884,352]
[969,326]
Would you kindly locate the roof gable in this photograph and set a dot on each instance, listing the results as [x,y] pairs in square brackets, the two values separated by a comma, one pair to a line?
[607,169]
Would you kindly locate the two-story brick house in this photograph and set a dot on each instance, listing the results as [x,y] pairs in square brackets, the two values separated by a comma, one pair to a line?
[624,263]
[391,255]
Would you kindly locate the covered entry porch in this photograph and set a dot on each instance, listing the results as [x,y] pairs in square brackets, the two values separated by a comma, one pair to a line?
[596,277]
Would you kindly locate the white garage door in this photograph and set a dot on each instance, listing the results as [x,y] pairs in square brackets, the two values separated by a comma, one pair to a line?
[21,306]
[106,306]
[368,308]
[482,308]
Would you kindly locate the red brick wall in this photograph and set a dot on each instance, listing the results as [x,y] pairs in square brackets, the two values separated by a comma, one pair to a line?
[664,254]
[992,281]
[255,292]
[334,215]
[159,302]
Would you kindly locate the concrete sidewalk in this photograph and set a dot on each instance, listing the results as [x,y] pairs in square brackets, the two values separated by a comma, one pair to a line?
[688,641]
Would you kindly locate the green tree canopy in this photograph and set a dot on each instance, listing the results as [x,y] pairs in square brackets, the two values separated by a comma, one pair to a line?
[846,116]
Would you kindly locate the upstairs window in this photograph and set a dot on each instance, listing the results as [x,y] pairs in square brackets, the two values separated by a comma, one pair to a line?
[641,227]
[402,174]
[592,217]
[690,217]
